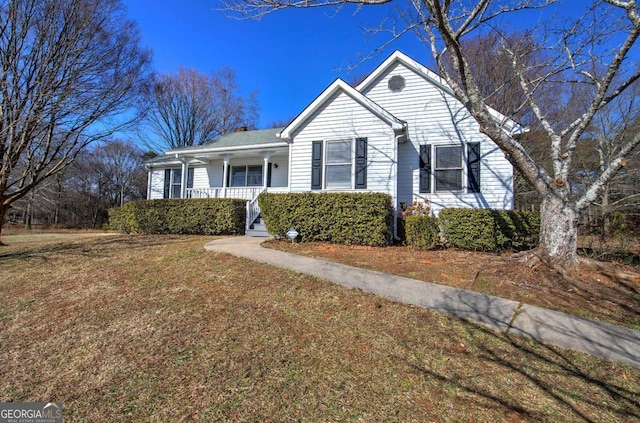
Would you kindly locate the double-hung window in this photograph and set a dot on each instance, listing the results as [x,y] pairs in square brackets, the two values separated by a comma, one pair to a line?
[448,168]
[246,176]
[173,182]
[339,164]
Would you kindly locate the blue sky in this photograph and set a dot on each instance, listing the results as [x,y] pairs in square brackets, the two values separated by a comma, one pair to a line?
[289,56]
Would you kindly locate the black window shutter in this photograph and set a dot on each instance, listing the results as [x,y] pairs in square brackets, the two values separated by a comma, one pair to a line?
[269,174]
[425,168]
[473,167]
[167,183]
[190,173]
[361,163]
[316,165]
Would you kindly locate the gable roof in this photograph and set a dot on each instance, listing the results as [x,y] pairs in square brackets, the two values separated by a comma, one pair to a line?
[340,86]
[511,126]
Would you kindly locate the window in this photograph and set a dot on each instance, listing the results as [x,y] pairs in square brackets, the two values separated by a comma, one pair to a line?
[335,164]
[448,168]
[173,182]
[246,176]
[176,182]
[338,164]
[254,176]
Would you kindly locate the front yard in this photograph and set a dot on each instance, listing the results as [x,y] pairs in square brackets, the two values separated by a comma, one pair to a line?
[154,328]
[596,295]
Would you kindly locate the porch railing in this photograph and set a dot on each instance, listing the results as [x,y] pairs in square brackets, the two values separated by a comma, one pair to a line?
[245,193]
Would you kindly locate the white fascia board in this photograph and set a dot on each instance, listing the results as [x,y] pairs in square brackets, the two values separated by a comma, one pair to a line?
[411,64]
[164,164]
[340,85]
[228,149]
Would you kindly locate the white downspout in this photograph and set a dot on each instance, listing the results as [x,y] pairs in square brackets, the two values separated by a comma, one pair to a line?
[394,195]
[289,168]
[394,191]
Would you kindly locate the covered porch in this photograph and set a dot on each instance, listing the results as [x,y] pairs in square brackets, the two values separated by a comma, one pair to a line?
[238,165]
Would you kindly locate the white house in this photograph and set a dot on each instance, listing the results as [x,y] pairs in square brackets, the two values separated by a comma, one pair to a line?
[401,131]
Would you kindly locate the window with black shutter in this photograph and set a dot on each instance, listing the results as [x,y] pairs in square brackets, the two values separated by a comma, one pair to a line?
[316,165]
[167,183]
[425,168]
[361,163]
[473,167]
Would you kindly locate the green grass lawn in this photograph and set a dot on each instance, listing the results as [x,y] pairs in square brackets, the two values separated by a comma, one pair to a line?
[154,328]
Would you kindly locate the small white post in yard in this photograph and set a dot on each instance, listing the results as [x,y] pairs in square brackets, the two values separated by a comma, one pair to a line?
[293,234]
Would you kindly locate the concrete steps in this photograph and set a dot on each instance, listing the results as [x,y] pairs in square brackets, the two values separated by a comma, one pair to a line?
[258,229]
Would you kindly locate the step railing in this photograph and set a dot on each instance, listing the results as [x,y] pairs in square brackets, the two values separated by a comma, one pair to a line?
[253,210]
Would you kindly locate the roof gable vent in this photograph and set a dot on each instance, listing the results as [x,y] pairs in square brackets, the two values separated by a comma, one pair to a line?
[396,83]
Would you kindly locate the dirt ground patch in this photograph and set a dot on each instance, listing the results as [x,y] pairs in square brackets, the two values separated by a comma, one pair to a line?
[595,295]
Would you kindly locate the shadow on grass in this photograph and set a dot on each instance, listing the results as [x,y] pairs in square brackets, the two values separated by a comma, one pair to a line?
[97,247]
[541,363]
[541,366]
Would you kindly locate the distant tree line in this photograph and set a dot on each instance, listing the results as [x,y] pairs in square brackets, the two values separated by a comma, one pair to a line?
[102,177]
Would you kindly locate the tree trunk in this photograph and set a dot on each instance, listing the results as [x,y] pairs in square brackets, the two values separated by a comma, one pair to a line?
[29,214]
[3,212]
[558,232]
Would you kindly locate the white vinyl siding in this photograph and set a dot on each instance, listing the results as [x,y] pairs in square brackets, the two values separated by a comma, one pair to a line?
[342,118]
[435,117]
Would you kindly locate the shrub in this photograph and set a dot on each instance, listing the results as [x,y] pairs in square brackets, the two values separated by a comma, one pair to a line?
[490,230]
[181,216]
[344,218]
[422,232]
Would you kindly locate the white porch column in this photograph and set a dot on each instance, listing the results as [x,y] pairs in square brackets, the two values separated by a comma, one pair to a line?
[183,179]
[225,175]
[265,169]
[149,181]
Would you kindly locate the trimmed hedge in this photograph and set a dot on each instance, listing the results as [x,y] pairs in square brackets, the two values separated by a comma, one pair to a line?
[208,216]
[344,218]
[422,232]
[490,230]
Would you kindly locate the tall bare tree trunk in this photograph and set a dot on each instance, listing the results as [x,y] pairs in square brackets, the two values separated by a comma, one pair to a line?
[29,212]
[3,212]
[558,232]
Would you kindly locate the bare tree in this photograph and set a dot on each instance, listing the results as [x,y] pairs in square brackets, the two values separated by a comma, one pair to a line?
[190,108]
[69,69]
[592,47]
[610,127]
[102,176]
[281,123]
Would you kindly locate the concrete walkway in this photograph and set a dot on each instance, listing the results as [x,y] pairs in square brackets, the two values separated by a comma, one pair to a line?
[546,326]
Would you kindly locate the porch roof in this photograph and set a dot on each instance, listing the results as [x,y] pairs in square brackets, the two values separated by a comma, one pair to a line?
[232,144]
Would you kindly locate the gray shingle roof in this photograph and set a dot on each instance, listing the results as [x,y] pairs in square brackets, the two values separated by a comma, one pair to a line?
[238,139]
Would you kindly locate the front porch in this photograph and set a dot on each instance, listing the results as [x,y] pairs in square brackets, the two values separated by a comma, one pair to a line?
[245,193]
[238,165]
